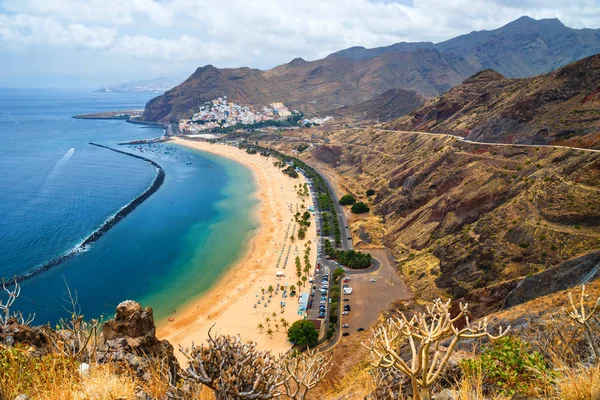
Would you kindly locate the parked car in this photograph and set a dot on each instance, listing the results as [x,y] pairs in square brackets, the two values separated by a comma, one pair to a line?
[345,326]
[360,329]
[346,299]
[347,307]
[373,280]
[346,334]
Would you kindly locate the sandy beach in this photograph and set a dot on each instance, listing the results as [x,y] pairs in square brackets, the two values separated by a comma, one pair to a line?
[232,304]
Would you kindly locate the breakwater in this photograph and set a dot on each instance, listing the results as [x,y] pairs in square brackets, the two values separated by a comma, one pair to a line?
[106,225]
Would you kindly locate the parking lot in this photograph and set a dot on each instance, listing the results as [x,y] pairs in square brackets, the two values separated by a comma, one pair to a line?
[369,299]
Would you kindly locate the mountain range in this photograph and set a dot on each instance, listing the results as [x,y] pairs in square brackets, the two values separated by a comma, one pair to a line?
[489,107]
[522,48]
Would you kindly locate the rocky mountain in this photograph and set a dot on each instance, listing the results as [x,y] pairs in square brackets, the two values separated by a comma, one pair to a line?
[387,106]
[313,86]
[524,47]
[488,107]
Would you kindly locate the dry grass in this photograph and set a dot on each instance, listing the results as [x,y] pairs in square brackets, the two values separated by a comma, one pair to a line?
[582,383]
[56,377]
[103,383]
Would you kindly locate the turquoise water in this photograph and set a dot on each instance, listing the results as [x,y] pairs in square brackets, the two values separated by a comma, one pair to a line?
[55,189]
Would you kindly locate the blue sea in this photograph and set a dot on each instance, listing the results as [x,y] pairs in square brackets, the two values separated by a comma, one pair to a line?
[56,189]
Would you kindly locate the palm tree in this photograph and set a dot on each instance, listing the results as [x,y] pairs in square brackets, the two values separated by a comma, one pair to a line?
[282,288]
[292,289]
[270,289]
[262,290]
[260,327]
[299,283]
[304,279]
[267,320]
[285,324]
[274,315]
[270,333]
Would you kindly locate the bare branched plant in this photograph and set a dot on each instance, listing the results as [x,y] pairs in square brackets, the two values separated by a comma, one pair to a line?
[74,337]
[423,334]
[234,370]
[582,316]
[6,317]
[304,371]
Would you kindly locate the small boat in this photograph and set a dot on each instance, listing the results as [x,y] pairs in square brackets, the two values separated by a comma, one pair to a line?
[171,319]
[189,163]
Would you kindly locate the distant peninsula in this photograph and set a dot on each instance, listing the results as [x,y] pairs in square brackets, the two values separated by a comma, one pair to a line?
[158,85]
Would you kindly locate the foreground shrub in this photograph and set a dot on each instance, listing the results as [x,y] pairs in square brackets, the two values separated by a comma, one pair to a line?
[511,367]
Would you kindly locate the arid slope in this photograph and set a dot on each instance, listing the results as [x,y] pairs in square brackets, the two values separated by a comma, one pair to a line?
[488,107]
[468,219]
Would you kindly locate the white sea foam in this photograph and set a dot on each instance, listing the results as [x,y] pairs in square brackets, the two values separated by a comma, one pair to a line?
[64,158]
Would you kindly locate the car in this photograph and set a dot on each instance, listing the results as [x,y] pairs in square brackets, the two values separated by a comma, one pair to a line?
[349,238]
[360,329]
[346,334]
[344,312]
[321,316]
[373,280]
[314,287]
[346,280]
[346,299]
[345,326]
[347,307]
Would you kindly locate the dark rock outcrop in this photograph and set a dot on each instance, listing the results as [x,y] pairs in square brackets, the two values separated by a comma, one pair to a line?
[131,337]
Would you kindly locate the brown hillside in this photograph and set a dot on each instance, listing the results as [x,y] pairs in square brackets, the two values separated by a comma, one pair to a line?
[389,105]
[548,108]
[470,219]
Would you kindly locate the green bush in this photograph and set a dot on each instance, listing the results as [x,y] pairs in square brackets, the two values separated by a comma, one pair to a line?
[347,200]
[510,367]
[359,208]
[370,192]
[338,272]
[303,333]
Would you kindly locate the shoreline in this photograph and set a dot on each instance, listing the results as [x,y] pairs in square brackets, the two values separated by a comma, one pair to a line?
[230,305]
[106,225]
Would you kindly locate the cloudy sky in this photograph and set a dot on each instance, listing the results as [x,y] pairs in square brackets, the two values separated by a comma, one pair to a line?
[86,43]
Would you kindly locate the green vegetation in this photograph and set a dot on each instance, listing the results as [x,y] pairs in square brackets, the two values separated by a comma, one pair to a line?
[250,151]
[338,272]
[303,333]
[509,365]
[347,200]
[370,192]
[301,147]
[324,200]
[359,208]
[290,171]
[350,258]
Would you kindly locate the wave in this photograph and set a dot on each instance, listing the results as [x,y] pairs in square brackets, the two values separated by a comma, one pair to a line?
[64,158]
[86,243]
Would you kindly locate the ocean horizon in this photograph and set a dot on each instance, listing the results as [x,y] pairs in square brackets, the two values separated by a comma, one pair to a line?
[56,189]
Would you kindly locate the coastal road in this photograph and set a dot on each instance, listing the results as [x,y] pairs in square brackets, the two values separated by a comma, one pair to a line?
[344,227]
[464,140]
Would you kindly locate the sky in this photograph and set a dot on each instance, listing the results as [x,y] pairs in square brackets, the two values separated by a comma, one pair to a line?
[89,43]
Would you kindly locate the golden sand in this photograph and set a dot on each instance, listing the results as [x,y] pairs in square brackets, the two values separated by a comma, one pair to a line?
[231,305]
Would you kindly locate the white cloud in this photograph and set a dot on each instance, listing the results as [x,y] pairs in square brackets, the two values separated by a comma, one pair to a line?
[258,33]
